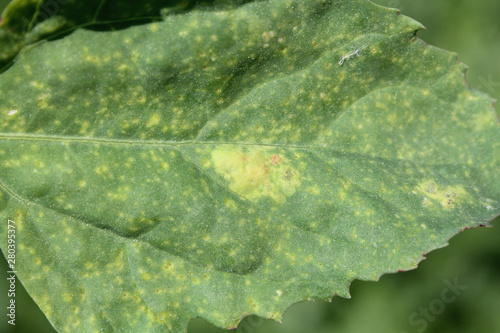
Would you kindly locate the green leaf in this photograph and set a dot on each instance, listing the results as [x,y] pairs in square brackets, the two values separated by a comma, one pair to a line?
[227,162]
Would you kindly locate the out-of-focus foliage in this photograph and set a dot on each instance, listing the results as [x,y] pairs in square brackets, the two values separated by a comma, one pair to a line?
[469,28]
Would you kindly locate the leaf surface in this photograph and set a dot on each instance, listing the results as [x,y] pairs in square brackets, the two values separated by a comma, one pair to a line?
[222,163]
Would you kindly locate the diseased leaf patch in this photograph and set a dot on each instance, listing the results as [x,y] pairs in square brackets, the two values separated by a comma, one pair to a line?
[254,172]
[447,197]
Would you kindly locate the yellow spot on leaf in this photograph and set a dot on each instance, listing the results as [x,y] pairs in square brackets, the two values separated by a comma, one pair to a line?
[145,276]
[447,196]
[231,204]
[154,27]
[485,120]
[164,165]
[153,120]
[101,169]
[67,297]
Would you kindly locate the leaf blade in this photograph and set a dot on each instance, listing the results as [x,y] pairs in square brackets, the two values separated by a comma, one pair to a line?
[256,187]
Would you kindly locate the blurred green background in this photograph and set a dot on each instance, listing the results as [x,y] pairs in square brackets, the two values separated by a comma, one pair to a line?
[472,29]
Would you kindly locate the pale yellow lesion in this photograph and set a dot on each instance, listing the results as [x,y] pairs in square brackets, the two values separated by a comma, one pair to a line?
[448,196]
[256,172]
[154,120]
[485,120]
[67,297]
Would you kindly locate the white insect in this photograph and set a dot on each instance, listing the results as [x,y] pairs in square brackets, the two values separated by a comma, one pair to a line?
[350,55]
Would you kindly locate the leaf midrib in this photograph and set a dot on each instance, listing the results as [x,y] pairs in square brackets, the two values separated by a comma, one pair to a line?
[137,142]
[176,144]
